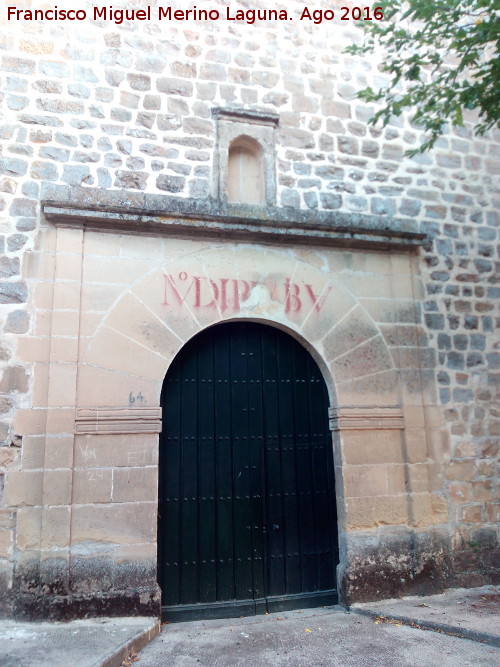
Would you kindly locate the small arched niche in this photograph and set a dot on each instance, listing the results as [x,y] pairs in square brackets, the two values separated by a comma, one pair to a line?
[245,157]
[245,172]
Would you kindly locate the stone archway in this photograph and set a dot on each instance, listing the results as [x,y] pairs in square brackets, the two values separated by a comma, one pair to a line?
[153,306]
[247,496]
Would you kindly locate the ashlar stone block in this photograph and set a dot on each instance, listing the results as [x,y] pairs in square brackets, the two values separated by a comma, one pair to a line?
[118,523]
[114,451]
[352,330]
[23,488]
[366,359]
[92,486]
[103,387]
[135,484]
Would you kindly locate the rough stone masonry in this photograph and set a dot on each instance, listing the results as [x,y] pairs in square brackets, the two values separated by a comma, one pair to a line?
[118,245]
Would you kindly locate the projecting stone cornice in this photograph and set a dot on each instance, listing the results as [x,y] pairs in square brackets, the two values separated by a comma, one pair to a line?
[137,212]
[118,420]
[371,418]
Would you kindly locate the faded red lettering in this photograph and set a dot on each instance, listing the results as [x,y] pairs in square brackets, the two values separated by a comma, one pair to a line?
[272,286]
[292,301]
[223,294]
[318,302]
[169,281]
[230,293]
[197,301]
[245,292]
[236,304]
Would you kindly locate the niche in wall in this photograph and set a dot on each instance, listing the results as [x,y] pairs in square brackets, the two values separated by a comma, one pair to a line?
[245,157]
[245,172]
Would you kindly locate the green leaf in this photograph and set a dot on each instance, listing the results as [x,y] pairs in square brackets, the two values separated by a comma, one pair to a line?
[442,56]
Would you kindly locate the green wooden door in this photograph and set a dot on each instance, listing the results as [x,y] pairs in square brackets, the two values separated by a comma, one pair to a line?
[247,518]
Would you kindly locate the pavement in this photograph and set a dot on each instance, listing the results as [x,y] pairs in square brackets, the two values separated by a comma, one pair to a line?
[98,642]
[458,628]
[473,613]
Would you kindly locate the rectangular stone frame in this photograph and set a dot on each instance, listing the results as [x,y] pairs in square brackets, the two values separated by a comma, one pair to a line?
[48,555]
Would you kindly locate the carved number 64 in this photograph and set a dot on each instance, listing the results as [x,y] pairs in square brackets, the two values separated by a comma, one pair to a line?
[132,399]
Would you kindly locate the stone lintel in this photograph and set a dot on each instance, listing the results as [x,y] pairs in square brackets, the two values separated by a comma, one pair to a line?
[365,418]
[117,420]
[259,116]
[118,210]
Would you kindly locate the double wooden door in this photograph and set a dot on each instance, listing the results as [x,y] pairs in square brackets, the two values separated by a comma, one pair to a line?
[247,514]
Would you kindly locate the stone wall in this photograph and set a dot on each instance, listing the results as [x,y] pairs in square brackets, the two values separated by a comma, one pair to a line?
[130,108]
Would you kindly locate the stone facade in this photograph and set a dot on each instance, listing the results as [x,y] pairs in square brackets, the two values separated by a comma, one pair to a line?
[117,239]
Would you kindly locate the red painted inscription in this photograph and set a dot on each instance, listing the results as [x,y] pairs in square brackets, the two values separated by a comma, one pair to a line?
[229,293]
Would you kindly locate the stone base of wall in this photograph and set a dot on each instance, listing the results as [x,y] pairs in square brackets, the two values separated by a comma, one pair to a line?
[90,587]
[39,607]
[413,564]
[477,562]
[378,568]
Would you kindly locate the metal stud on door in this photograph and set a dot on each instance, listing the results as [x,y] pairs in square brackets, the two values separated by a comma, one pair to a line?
[247,504]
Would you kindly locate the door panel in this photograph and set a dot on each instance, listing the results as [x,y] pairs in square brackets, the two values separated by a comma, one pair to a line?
[247,504]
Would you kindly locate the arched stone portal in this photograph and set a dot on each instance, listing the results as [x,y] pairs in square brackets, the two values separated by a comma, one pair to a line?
[101,426]
[247,495]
